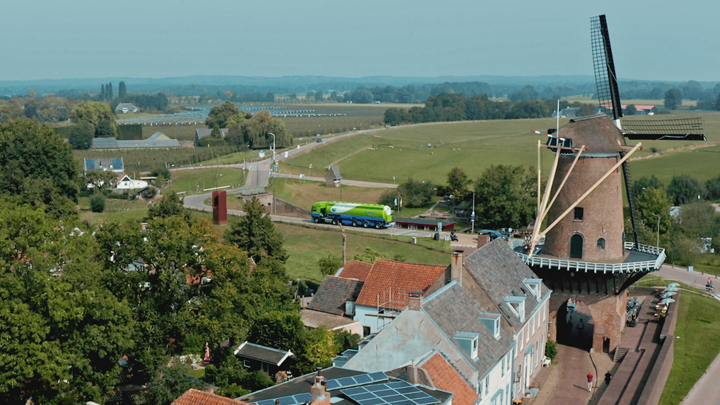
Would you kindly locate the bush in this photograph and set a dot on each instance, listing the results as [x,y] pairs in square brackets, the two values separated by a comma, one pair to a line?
[551,349]
[81,136]
[97,203]
[161,171]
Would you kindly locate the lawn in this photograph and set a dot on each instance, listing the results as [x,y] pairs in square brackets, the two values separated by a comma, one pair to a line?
[474,146]
[307,244]
[196,180]
[697,345]
[304,193]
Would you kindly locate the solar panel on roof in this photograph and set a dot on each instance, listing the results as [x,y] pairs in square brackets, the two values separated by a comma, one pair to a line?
[347,382]
[90,163]
[117,163]
[289,400]
[392,393]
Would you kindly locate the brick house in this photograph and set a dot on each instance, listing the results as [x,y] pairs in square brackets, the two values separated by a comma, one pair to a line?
[333,177]
[333,305]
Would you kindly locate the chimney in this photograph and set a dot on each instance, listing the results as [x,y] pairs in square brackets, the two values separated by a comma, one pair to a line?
[318,391]
[415,300]
[483,240]
[412,375]
[456,263]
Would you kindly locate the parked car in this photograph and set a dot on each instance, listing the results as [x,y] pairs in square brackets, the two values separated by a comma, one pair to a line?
[319,140]
[493,234]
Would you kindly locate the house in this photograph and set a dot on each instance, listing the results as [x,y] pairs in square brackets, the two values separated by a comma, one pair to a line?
[333,305]
[266,359]
[567,112]
[340,386]
[642,109]
[126,108]
[489,322]
[196,397]
[333,177]
[355,269]
[386,289]
[117,165]
[203,132]
[124,182]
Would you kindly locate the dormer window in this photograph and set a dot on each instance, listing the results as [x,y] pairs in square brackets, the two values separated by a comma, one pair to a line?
[468,343]
[534,285]
[492,322]
[517,306]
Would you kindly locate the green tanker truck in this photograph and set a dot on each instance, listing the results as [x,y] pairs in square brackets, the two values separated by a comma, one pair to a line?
[355,214]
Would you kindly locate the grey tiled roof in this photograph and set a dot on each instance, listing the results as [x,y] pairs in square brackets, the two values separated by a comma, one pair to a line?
[332,294]
[336,172]
[453,309]
[500,273]
[262,353]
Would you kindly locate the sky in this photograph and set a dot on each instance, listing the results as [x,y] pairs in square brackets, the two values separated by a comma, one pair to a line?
[50,39]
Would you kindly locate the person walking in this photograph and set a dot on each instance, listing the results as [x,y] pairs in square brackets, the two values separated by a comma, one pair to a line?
[590,378]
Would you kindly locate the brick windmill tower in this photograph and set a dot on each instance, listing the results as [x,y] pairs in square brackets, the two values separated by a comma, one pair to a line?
[582,251]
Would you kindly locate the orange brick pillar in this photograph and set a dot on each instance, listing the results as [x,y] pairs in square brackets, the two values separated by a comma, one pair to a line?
[219,204]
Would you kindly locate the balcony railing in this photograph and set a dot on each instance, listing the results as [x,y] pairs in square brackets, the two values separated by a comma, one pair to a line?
[626,267]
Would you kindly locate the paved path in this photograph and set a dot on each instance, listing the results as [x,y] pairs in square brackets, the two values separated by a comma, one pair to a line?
[573,366]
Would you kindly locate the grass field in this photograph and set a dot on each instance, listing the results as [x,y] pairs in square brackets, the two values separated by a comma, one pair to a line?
[474,146]
[305,193]
[697,345]
[192,181]
[306,245]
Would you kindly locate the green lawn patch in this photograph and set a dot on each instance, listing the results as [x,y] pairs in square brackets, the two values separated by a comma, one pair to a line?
[304,193]
[306,245]
[195,180]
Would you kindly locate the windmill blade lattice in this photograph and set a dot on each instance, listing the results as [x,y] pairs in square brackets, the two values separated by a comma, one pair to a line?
[608,95]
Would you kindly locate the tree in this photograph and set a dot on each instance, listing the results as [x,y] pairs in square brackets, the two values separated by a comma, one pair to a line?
[220,114]
[280,330]
[97,203]
[122,91]
[169,383]
[458,183]
[529,109]
[586,109]
[38,166]
[630,110]
[255,234]
[169,206]
[162,171]
[64,347]
[329,265]
[106,129]
[369,256]
[81,136]
[653,204]
[506,196]
[416,193]
[109,91]
[712,188]
[643,183]
[684,189]
[698,220]
[95,113]
[673,99]
[362,96]
[102,92]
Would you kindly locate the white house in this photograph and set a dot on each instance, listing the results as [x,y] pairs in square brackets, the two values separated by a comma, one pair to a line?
[126,183]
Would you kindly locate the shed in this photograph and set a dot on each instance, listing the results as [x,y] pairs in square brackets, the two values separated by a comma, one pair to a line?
[203,132]
[424,224]
[126,108]
[333,177]
[266,359]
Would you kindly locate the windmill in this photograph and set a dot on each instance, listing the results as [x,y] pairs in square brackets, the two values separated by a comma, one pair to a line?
[608,96]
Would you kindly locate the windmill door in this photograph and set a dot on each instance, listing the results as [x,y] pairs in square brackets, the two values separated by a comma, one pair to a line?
[576,247]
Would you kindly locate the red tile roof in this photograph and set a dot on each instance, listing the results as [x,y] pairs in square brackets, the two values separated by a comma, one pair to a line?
[356,269]
[195,397]
[446,378]
[392,281]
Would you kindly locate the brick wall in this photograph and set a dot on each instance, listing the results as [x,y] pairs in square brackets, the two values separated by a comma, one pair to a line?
[609,313]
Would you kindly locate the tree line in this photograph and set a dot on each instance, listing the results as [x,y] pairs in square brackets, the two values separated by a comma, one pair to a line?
[121,301]
[245,130]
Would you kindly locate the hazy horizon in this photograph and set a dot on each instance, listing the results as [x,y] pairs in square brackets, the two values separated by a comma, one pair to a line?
[85,39]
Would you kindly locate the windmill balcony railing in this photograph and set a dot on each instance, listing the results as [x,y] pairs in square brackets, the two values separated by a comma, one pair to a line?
[625,267]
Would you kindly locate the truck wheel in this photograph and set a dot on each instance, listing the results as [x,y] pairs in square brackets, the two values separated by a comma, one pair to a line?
[366,224]
[316,220]
[354,223]
[377,225]
[335,222]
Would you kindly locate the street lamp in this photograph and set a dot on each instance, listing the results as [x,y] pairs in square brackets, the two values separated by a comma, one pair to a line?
[657,240]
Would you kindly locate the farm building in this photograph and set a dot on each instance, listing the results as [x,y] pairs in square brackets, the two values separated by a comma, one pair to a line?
[333,177]
[157,140]
[126,108]
[115,164]
[126,183]
[567,112]
[203,132]
[424,224]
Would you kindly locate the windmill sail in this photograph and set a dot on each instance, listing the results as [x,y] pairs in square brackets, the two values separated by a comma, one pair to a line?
[605,77]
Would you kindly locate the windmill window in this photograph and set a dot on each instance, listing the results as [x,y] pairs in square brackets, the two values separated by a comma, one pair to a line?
[579,213]
[601,243]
